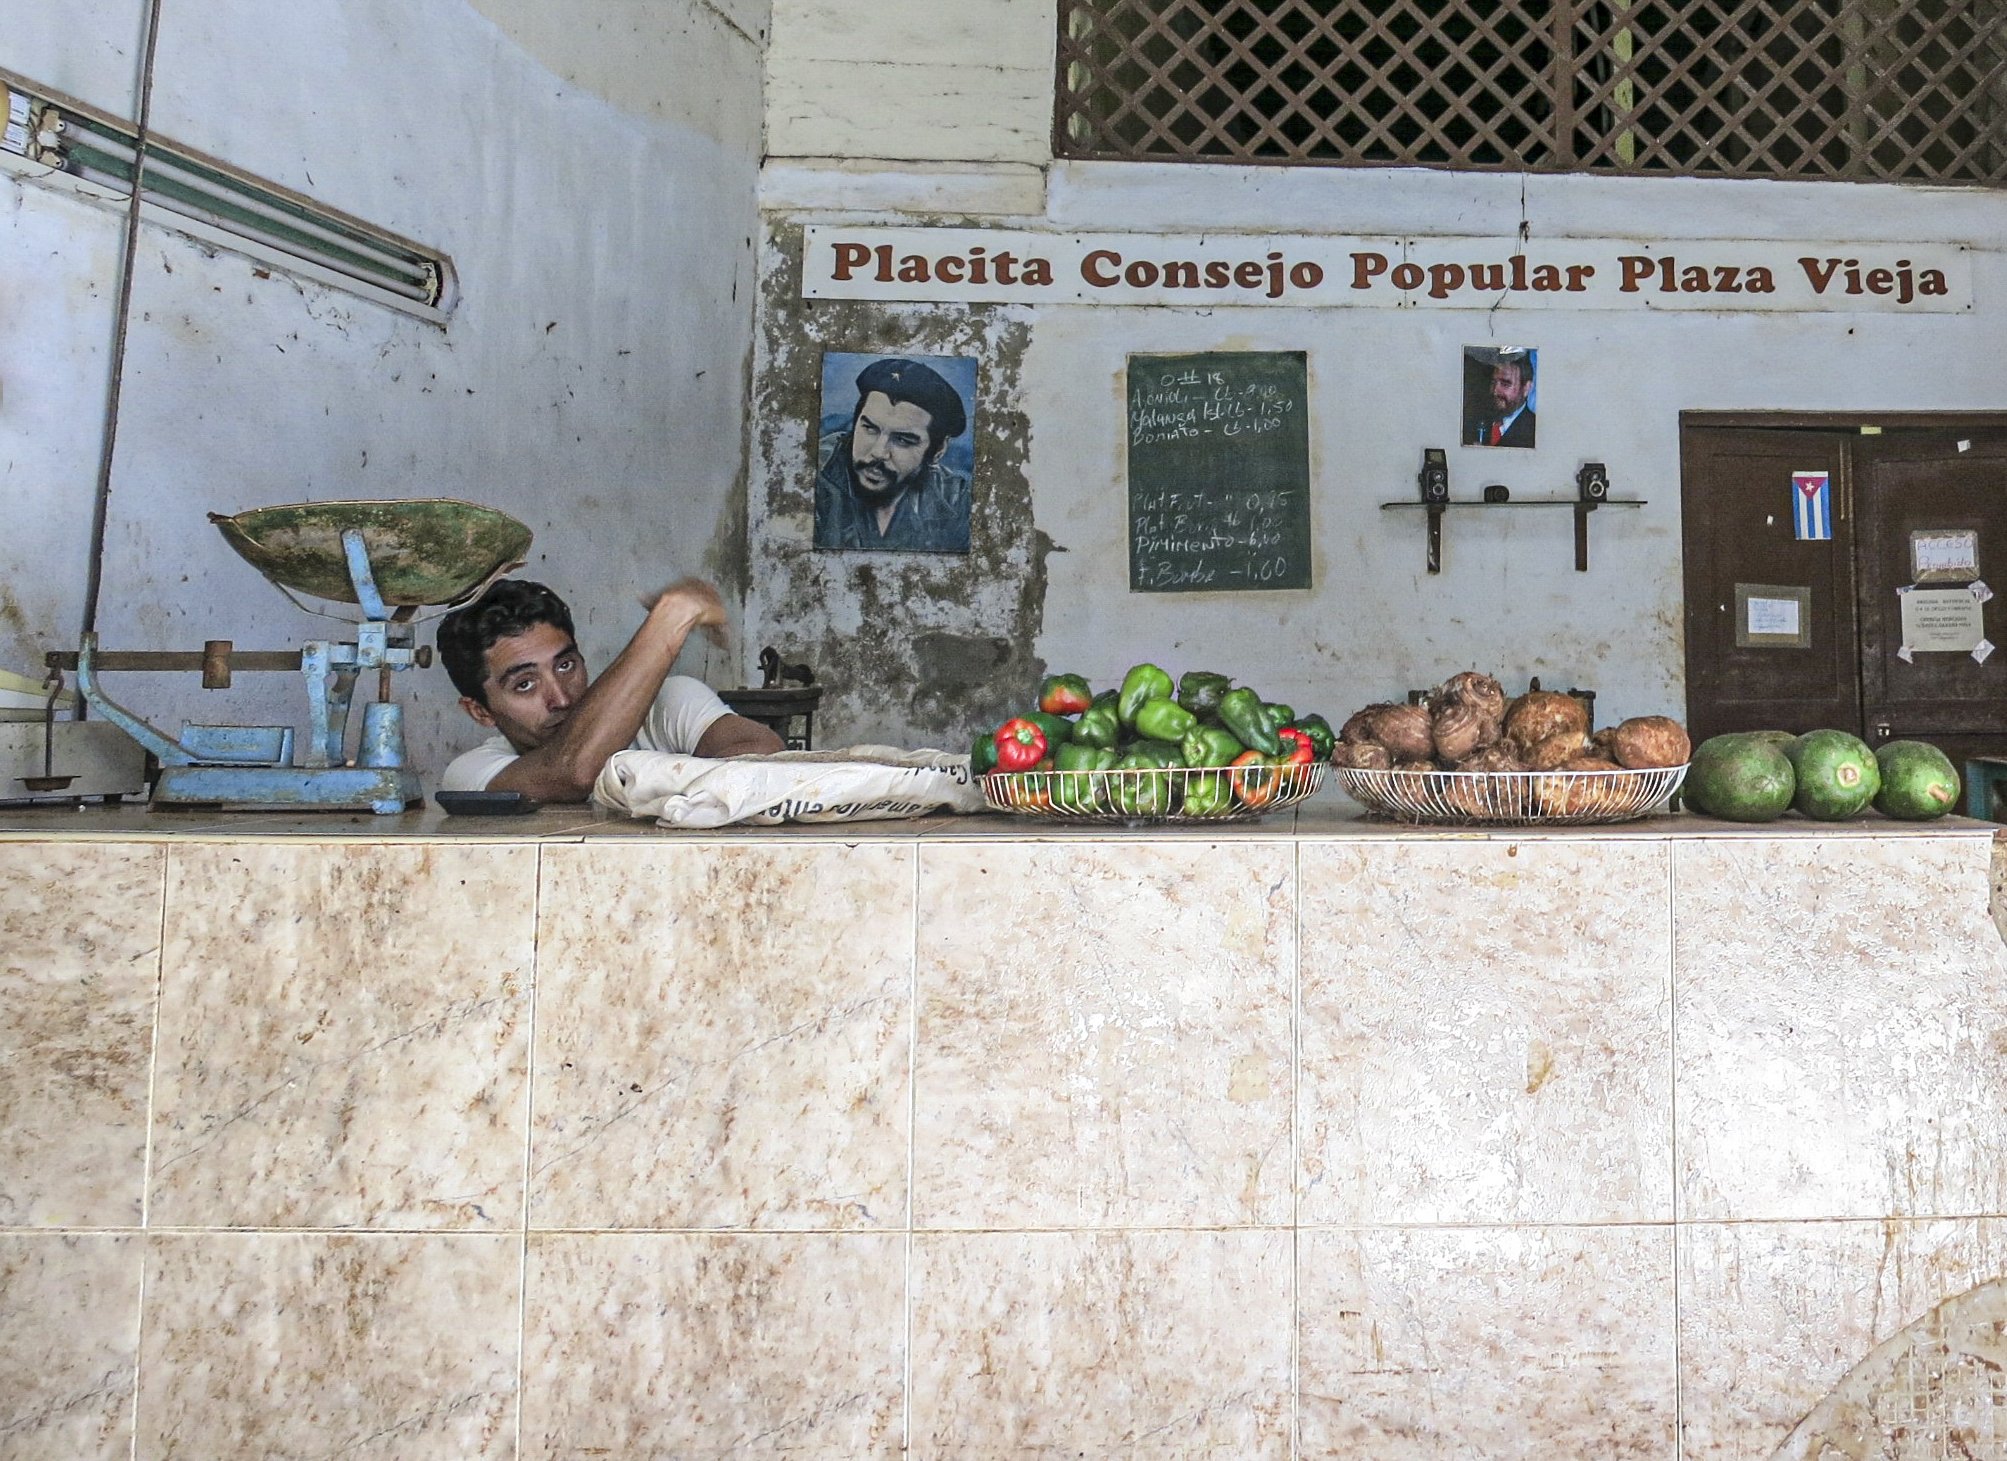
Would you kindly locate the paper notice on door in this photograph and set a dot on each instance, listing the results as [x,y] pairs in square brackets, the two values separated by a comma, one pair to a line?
[1942,620]
[1949,555]
[1773,616]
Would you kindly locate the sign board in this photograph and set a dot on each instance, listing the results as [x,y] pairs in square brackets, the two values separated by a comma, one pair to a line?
[1298,271]
[1219,472]
[1949,555]
[1941,621]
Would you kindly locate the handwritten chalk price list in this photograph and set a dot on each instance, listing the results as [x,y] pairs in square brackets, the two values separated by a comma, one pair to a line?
[1219,472]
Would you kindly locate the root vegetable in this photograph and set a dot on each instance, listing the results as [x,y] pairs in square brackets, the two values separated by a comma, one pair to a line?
[1646,741]
[1480,692]
[1404,730]
[1540,714]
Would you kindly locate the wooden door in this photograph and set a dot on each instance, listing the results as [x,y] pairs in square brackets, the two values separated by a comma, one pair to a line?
[1893,477]
[1737,535]
[1950,486]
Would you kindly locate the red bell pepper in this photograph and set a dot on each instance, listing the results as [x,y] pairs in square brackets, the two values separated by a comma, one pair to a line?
[1297,747]
[1020,745]
[1256,784]
[1064,695]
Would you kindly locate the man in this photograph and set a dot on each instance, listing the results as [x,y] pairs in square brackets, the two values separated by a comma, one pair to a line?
[512,656]
[880,482]
[1511,421]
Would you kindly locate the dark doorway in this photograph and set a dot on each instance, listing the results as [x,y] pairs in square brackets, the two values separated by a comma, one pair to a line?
[1793,634]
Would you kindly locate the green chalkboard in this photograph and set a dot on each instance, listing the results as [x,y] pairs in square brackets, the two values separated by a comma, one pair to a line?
[1219,472]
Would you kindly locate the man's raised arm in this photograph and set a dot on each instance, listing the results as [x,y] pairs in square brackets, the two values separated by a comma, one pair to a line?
[606,717]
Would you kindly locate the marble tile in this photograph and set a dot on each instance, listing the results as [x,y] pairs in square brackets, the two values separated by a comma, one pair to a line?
[79,963]
[370,1347]
[1841,1051]
[1104,1034]
[1276,826]
[1139,1345]
[343,1036]
[1773,1316]
[722,1036]
[1936,1386]
[1514,1344]
[69,1326]
[1333,814]
[701,1344]
[1997,885]
[1485,1032]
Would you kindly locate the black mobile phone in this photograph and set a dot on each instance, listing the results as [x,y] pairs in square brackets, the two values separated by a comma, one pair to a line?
[483,803]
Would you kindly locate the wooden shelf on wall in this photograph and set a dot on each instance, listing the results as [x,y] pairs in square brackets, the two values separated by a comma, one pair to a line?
[1582,509]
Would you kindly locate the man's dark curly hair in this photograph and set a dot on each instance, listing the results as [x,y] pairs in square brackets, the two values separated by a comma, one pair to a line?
[510,606]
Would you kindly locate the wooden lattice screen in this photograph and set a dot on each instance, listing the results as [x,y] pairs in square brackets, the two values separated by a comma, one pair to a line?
[1910,90]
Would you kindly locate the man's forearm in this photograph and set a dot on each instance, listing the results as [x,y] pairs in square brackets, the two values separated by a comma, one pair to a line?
[734,735]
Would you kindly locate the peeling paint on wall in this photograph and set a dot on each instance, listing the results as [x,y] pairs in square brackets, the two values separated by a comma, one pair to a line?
[911,648]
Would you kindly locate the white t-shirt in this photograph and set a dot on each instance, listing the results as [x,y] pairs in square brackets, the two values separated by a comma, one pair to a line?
[683,710]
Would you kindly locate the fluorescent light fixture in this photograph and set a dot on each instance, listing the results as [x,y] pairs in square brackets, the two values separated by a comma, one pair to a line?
[198,195]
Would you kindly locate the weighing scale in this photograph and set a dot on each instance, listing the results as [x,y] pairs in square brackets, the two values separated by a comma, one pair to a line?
[389,559]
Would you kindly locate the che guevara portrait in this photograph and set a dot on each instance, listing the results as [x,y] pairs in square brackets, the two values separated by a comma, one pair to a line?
[895,452]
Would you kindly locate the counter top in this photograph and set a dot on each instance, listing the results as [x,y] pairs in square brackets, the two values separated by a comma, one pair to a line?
[1329,815]
[992,1137]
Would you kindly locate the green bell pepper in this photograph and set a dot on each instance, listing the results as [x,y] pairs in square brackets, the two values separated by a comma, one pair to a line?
[1139,794]
[1098,725]
[1199,691]
[1323,739]
[1242,712]
[1058,729]
[1076,789]
[983,754]
[1208,795]
[1164,720]
[1143,682]
[1075,757]
[1283,714]
[1210,745]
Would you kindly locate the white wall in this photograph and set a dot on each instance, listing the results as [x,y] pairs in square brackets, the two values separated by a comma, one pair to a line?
[1384,383]
[594,186]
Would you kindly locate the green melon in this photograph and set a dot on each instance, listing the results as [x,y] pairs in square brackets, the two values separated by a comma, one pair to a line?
[1918,782]
[1837,775]
[1740,778]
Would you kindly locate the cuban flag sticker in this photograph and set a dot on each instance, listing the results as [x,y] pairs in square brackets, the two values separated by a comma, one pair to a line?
[1812,505]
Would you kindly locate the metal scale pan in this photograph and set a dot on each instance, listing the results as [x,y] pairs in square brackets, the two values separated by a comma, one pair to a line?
[422,551]
[389,559]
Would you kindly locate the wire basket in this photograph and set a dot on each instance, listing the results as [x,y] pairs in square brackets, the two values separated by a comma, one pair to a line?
[1545,798]
[1174,794]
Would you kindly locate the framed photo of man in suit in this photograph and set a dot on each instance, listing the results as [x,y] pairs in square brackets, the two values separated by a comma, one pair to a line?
[1500,384]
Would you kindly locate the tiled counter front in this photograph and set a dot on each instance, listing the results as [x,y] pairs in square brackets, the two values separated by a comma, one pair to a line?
[972,1147]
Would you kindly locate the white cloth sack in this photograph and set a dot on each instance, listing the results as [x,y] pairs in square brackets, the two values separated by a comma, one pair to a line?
[856,784]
